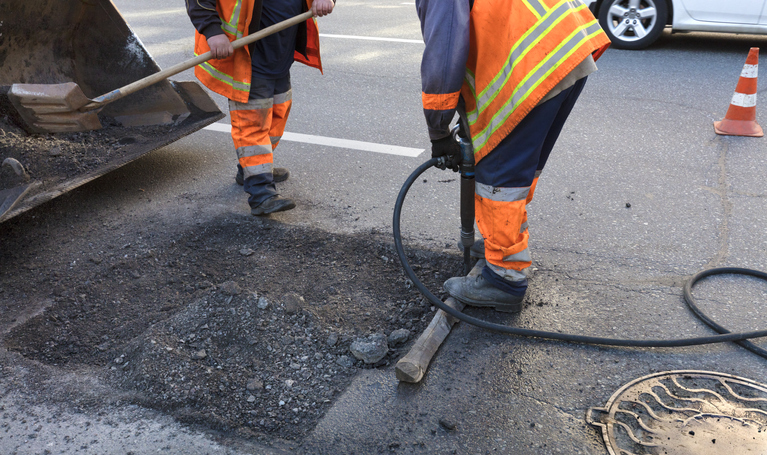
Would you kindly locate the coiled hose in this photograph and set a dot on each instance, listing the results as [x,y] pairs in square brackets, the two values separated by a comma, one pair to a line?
[725,335]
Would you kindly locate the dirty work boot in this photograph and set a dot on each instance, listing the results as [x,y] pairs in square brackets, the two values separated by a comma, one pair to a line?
[477,250]
[279,174]
[273,204]
[477,291]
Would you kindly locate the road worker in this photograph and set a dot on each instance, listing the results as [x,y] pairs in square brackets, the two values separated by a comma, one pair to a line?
[513,70]
[256,80]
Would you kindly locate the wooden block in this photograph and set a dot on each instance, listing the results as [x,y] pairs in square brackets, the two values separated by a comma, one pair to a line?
[413,366]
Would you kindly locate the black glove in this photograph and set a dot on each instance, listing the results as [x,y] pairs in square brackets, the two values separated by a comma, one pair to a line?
[449,148]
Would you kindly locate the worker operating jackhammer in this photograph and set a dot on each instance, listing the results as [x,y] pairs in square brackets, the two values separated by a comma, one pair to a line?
[256,80]
[513,69]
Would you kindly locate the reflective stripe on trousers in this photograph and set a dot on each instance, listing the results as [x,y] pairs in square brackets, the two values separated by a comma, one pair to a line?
[506,180]
[257,128]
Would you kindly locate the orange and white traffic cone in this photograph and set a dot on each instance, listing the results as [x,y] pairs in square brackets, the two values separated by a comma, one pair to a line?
[740,119]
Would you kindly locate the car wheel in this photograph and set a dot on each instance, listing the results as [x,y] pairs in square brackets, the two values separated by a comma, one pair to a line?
[633,24]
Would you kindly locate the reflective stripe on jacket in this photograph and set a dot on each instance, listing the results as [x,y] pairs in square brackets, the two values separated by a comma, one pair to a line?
[502,57]
[230,77]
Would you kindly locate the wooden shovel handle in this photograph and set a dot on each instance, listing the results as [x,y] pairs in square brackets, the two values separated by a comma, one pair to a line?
[122,92]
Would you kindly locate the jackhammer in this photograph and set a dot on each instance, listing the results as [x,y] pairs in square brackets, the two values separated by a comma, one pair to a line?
[466,169]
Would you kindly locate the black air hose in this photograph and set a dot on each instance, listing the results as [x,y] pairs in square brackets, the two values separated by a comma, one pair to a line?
[740,338]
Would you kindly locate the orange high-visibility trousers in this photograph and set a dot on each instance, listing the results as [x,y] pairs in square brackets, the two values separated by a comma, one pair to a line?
[505,182]
[257,127]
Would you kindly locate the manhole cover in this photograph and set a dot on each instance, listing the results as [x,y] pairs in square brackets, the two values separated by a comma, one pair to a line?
[685,413]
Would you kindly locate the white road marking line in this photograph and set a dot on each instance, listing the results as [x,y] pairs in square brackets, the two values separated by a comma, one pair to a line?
[373,38]
[335,142]
[153,13]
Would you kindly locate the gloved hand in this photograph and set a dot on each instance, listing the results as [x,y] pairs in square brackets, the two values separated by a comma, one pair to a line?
[449,148]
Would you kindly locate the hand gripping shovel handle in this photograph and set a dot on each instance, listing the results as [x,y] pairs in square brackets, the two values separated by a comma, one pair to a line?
[122,92]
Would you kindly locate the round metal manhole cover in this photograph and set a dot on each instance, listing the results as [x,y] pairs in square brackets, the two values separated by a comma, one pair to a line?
[685,413]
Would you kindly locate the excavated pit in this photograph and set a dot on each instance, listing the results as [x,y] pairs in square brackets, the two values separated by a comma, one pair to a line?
[240,325]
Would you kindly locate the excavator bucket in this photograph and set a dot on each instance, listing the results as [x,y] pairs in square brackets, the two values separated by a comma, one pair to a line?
[87,43]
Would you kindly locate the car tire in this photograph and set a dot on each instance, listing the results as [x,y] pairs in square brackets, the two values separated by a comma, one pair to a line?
[633,28]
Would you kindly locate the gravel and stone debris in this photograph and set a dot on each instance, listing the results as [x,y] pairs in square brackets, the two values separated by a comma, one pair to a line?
[398,337]
[293,303]
[209,335]
[49,159]
[370,349]
[345,361]
[230,288]
[447,424]
[254,384]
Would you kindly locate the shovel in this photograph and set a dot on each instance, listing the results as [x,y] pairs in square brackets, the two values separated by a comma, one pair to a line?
[64,108]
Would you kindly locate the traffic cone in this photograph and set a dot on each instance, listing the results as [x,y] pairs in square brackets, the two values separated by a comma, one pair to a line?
[740,119]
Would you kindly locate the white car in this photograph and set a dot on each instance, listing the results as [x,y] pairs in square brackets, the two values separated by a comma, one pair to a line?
[635,24]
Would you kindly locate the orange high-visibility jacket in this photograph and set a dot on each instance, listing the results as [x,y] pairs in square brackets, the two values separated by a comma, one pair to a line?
[231,76]
[502,57]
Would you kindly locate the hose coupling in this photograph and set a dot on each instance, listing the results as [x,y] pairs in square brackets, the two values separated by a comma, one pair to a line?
[466,167]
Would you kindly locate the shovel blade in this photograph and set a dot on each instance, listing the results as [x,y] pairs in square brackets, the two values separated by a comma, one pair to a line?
[53,108]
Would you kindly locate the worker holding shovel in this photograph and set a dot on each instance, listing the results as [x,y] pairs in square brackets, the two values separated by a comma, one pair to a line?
[256,80]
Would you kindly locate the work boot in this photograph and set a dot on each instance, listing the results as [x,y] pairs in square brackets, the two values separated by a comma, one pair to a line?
[477,250]
[279,174]
[477,291]
[272,205]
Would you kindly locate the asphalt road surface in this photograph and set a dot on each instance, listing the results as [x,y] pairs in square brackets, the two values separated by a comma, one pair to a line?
[640,135]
